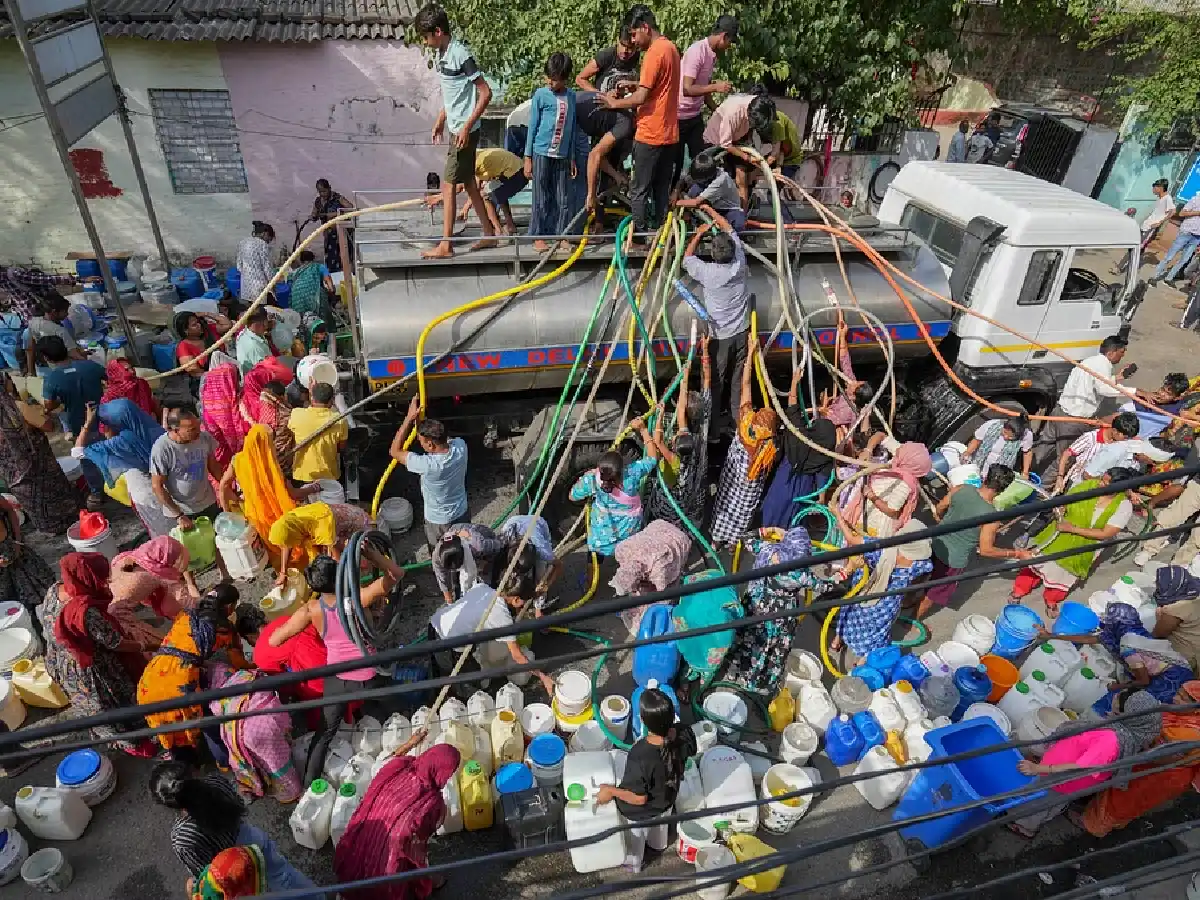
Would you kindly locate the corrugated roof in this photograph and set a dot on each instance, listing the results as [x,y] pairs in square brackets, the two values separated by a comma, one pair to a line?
[277,21]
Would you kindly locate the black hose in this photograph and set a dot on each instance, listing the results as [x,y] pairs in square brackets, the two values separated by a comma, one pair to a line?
[356,622]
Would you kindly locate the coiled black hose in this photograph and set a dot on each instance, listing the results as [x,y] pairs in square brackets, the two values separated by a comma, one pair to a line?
[356,621]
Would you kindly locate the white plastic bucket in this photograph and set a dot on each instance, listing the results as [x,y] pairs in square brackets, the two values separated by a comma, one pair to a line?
[781,816]
[316,369]
[986,710]
[976,632]
[588,737]
[958,655]
[104,542]
[964,474]
[47,871]
[798,743]
[536,718]
[331,491]
[694,836]
[572,692]
[395,515]
[12,855]
[16,644]
[615,711]
[1037,726]
[709,859]
[728,709]
[801,666]
[15,615]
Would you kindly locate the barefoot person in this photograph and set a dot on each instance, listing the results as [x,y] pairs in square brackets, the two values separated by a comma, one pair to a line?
[465,94]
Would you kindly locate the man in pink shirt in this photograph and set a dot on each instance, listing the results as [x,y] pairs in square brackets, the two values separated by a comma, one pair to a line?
[697,89]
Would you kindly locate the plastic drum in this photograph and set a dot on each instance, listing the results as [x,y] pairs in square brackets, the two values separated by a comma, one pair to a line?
[13,853]
[88,774]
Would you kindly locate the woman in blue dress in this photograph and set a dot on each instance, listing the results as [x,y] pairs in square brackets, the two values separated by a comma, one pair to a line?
[614,490]
[804,472]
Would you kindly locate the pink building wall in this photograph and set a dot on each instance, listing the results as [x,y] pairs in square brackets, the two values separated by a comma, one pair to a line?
[355,112]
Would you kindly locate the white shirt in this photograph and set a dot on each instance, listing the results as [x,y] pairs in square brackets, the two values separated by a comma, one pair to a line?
[1164,208]
[1082,392]
[462,617]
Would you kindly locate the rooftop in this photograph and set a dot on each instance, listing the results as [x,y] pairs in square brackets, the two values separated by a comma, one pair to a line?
[240,20]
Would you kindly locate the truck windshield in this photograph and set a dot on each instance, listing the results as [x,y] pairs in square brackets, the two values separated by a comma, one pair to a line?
[1098,274]
[942,235]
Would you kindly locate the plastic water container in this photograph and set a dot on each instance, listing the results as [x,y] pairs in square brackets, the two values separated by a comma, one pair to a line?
[508,741]
[340,753]
[1047,694]
[1019,703]
[533,818]
[872,678]
[233,281]
[17,644]
[1069,655]
[915,745]
[1099,660]
[909,701]
[452,710]
[850,695]
[799,667]
[973,686]
[658,662]
[14,851]
[346,803]
[706,735]
[815,706]
[395,516]
[939,696]
[987,710]
[887,711]
[475,796]
[935,665]
[726,708]
[955,784]
[1082,689]
[910,669]
[1016,629]
[690,796]
[1038,726]
[583,773]
[545,757]
[312,819]
[368,736]
[396,730]
[884,660]
[52,814]
[88,774]
[1002,673]
[588,738]
[536,718]
[868,726]
[797,743]
[710,859]
[245,557]
[1126,589]
[47,871]
[728,780]
[635,703]
[188,282]
[1044,658]
[781,711]
[510,697]
[34,685]
[976,632]
[483,749]
[481,708]
[746,849]
[781,816]
[616,712]
[957,656]
[425,718]
[887,783]
[843,743]
[453,821]
[358,772]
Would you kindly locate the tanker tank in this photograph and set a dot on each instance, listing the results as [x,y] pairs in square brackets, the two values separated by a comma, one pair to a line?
[532,344]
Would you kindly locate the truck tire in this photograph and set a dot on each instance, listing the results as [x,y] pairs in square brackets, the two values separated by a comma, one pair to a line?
[967,429]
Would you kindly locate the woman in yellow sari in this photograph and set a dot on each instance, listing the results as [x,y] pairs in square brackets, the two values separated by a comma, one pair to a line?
[197,635]
[308,531]
[1118,806]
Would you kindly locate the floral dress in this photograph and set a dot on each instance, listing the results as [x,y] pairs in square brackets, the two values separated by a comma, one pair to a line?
[106,684]
[26,578]
[868,627]
[758,656]
[617,515]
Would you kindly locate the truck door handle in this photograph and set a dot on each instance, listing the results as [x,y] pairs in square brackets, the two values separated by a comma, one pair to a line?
[1040,353]
[1095,325]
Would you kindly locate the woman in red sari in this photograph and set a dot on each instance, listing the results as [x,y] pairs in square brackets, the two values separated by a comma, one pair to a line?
[1118,806]
[122,383]
[388,832]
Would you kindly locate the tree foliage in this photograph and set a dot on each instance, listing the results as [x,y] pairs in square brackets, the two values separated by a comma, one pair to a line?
[1159,42]
[856,56]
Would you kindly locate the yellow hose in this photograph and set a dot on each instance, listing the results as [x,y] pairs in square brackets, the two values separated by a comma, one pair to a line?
[459,310]
[862,582]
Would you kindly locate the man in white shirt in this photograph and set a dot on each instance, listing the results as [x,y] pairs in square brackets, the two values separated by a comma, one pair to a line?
[1083,393]
[1163,209]
[1185,242]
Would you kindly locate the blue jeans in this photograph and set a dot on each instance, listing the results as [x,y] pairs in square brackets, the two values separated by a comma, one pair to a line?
[93,476]
[551,196]
[1184,245]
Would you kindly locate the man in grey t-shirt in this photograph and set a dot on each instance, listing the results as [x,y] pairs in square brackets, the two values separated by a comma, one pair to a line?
[727,299]
[180,463]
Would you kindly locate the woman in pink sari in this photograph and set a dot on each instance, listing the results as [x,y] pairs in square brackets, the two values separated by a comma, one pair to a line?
[388,832]
[260,752]
[219,410]
[264,403]
[155,575]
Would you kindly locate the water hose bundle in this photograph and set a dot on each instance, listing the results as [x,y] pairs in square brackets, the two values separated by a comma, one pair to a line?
[356,621]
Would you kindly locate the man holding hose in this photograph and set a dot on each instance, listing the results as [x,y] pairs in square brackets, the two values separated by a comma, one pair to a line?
[1083,394]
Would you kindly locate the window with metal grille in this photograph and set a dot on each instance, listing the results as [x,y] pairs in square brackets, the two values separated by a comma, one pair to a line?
[199,138]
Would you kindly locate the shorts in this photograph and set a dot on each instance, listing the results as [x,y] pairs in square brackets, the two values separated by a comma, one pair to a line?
[596,121]
[460,164]
[939,595]
[504,189]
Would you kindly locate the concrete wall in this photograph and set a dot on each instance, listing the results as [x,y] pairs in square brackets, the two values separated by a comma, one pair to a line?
[42,224]
[355,112]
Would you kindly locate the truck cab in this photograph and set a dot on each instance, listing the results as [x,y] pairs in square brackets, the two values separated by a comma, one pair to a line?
[1051,264]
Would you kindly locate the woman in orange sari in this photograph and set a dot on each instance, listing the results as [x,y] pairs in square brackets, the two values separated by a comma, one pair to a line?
[1118,806]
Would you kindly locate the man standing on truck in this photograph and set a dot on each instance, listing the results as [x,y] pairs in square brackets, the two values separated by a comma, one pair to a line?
[697,89]
[1082,395]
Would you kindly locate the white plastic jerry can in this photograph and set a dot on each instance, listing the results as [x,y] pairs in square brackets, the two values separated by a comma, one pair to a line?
[347,801]
[312,819]
[53,814]
[453,820]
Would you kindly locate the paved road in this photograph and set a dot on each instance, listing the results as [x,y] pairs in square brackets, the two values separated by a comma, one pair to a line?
[125,853]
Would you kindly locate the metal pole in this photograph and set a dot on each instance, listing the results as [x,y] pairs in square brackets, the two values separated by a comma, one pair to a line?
[123,115]
[60,144]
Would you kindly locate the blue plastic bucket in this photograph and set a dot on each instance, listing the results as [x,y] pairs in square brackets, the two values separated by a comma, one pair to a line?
[1016,627]
[513,777]
[1075,618]
[233,280]
[283,295]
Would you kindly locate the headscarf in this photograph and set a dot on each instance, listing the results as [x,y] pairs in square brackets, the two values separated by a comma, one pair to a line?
[236,872]
[307,527]
[1173,583]
[401,810]
[652,559]
[803,458]
[910,462]
[757,434]
[85,582]
[1135,735]
[255,383]
[921,548]
[163,557]
[219,401]
[793,544]
[265,495]
[1119,619]
[130,447]
[122,382]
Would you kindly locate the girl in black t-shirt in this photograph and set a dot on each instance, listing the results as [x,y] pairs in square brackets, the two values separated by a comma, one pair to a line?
[653,772]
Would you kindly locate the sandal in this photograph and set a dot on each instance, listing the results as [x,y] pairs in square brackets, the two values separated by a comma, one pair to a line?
[1021,831]
[1051,611]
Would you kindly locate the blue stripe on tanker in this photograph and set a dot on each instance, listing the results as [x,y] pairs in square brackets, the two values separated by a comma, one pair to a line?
[555,355]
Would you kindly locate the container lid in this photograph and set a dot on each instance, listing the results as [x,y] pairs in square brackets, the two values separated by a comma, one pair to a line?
[1126,579]
[1038,675]
[347,790]
[513,777]
[1046,647]
[547,750]
[1021,687]
[472,768]
[78,767]
[576,792]
[652,683]
[1087,673]
[320,786]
